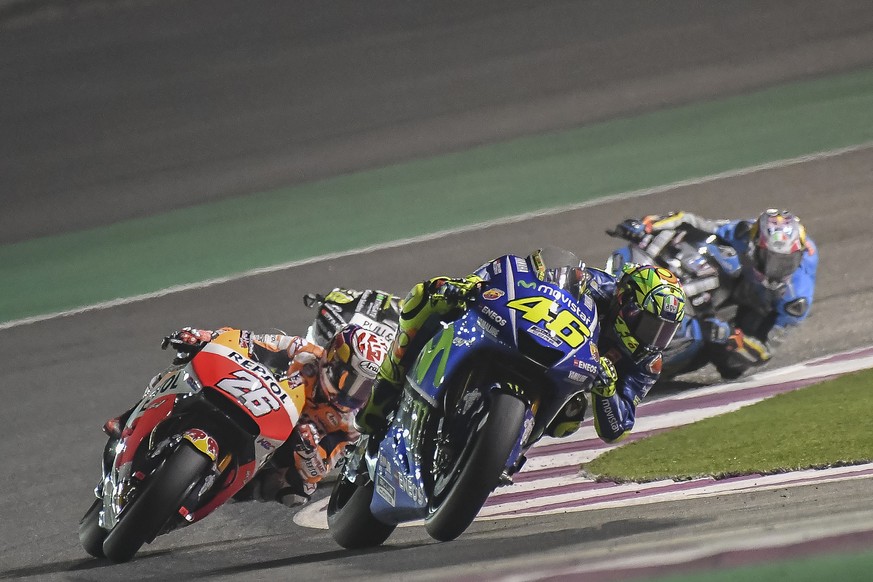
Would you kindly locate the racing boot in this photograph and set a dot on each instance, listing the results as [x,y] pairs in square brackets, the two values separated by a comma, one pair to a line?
[372,419]
[569,419]
[112,427]
[115,426]
[280,485]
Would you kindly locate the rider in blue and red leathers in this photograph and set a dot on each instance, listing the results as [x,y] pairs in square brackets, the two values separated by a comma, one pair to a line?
[773,290]
[639,312]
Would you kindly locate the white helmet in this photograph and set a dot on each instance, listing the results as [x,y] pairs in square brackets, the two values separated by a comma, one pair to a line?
[350,365]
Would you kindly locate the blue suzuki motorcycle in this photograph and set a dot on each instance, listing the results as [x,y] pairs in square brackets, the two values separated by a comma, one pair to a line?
[480,393]
[708,268]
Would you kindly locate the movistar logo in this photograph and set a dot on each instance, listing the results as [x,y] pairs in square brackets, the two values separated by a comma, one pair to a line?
[527,285]
[439,346]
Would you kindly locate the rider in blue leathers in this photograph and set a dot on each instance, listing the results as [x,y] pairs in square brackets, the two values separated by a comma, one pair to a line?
[639,312]
[773,289]
[637,361]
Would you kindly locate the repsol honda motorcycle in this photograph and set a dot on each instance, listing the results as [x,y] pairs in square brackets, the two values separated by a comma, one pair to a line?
[199,434]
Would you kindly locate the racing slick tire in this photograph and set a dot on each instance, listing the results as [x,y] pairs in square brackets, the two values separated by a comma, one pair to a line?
[164,493]
[481,472]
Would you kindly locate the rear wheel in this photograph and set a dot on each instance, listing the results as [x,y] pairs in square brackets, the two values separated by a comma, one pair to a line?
[454,511]
[349,519]
[91,535]
[158,502]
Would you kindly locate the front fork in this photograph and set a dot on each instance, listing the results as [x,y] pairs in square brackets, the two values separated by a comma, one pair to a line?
[120,485]
[468,408]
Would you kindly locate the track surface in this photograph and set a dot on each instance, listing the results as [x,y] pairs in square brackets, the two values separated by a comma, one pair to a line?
[196,103]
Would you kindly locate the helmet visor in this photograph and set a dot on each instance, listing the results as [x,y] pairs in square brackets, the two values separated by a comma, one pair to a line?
[346,386]
[655,332]
[778,266]
[650,331]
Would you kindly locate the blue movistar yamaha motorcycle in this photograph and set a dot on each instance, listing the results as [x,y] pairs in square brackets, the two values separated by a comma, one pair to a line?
[708,268]
[480,393]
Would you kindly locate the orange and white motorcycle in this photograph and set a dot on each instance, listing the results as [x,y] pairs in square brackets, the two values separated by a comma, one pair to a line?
[199,434]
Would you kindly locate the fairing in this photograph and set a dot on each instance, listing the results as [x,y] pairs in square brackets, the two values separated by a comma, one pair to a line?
[176,407]
[538,336]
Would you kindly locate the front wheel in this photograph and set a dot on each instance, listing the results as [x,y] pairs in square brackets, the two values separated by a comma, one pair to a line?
[159,501]
[91,535]
[482,470]
[349,518]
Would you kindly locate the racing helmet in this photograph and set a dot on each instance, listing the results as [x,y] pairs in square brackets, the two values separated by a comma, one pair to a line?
[560,267]
[777,241]
[649,307]
[350,364]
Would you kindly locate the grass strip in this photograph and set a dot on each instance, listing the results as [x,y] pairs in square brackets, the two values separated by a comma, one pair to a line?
[823,425]
[850,567]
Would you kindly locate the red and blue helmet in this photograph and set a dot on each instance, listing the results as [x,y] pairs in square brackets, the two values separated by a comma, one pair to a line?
[777,242]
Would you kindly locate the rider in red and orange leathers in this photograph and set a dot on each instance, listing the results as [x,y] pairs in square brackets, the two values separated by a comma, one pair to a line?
[337,381]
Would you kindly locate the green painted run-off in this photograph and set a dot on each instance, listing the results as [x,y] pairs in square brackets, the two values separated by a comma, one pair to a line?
[141,256]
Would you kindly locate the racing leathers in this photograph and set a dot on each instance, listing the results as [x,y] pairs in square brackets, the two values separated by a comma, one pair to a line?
[615,404]
[372,309]
[420,311]
[622,384]
[766,310]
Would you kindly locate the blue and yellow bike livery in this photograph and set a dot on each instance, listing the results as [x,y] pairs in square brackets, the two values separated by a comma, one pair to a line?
[481,392]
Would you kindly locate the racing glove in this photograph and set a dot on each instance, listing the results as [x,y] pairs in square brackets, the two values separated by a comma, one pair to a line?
[187,342]
[457,291]
[607,378]
[306,440]
[630,229]
[751,348]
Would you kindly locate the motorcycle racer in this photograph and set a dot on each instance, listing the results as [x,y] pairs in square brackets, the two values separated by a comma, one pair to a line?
[773,289]
[337,380]
[639,313]
[372,309]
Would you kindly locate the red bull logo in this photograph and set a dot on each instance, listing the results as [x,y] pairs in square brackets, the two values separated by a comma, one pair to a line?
[202,442]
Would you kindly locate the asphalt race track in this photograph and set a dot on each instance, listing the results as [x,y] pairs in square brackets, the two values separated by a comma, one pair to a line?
[229,107]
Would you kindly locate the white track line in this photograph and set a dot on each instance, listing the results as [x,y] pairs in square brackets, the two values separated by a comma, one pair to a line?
[436,235]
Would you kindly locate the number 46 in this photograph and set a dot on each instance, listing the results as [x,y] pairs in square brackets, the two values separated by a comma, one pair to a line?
[563,324]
